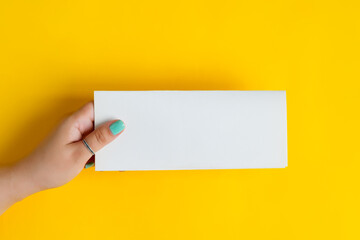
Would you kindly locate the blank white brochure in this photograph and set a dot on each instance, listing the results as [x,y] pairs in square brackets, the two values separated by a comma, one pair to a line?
[174,130]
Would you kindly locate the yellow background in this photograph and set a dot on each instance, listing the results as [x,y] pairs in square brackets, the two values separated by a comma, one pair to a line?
[53,54]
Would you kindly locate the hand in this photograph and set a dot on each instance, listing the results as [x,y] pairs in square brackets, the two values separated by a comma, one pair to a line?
[59,158]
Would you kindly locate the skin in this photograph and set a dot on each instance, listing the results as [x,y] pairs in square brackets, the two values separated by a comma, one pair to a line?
[57,160]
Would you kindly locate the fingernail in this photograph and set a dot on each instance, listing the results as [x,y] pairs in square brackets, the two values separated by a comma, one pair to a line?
[89,165]
[117,127]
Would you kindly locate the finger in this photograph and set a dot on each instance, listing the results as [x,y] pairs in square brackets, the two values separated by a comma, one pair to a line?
[104,134]
[79,123]
[84,118]
[100,137]
[85,113]
[90,163]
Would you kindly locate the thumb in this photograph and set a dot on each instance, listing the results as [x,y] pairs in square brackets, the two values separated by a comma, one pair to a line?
[99,138]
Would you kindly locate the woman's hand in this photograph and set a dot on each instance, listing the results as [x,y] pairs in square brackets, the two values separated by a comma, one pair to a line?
[59,158]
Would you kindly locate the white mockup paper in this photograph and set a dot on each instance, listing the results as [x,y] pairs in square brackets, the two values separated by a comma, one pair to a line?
[174,130]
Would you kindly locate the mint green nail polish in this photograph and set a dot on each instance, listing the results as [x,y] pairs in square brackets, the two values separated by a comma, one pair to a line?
[117,127]
[88,165]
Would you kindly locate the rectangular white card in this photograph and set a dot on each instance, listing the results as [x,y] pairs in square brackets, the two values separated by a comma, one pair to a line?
[174,130]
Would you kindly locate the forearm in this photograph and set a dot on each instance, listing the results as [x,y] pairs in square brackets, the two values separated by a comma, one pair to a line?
[5,186]
[15,185]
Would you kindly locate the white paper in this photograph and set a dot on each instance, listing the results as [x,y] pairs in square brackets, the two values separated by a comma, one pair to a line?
[174,130]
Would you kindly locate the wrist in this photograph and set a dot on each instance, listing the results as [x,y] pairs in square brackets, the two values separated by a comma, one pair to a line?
[21,182]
